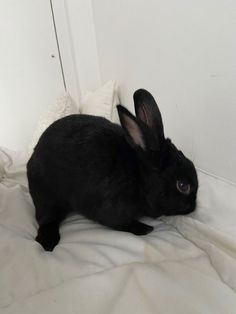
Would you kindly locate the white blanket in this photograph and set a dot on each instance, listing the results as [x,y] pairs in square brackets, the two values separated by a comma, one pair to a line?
[186,265]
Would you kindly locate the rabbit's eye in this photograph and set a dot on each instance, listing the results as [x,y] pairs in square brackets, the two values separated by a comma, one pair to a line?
[183,187]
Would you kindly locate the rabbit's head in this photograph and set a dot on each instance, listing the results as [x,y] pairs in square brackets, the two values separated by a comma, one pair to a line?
[168,179]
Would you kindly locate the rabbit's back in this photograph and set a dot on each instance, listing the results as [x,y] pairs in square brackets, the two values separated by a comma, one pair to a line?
[84,158]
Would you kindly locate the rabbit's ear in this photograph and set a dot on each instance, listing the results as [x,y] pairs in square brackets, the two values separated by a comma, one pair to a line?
[132,128]
[146,110]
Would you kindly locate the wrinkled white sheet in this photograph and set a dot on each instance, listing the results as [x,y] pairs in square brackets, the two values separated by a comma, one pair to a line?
[187,265]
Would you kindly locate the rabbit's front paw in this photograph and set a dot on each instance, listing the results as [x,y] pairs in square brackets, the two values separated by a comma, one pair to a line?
[48,236]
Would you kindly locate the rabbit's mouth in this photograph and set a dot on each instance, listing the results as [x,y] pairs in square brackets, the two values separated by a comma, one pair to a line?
[187,210]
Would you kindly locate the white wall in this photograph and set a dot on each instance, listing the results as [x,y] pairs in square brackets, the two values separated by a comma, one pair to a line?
[76,34]
[185,53]
[30,78]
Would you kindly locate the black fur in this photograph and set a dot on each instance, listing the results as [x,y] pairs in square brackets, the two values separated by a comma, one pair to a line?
[113,175]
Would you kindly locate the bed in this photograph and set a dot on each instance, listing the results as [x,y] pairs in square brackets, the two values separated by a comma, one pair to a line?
[186,265]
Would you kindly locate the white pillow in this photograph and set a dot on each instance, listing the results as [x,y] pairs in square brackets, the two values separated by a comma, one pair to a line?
[63,106]
[102,102]
[114,113]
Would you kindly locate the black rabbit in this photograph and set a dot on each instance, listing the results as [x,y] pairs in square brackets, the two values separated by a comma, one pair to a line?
[113,175]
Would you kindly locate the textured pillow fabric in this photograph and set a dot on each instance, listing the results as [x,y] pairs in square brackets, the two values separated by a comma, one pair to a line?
[114,113]
[102,102]
[63,106]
